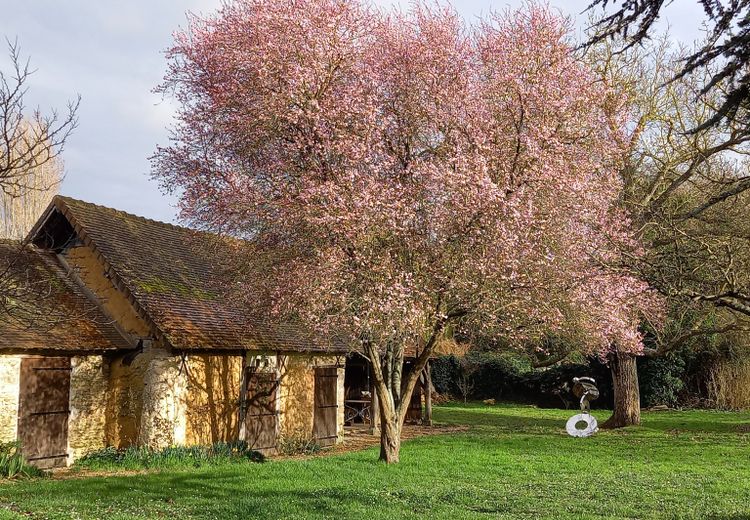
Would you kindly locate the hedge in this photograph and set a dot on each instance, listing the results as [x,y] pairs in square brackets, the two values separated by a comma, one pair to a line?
[508,376]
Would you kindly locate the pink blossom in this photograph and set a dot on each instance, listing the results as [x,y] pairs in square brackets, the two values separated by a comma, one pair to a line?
[389,168]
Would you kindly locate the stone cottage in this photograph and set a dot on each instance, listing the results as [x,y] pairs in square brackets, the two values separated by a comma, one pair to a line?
[124,340]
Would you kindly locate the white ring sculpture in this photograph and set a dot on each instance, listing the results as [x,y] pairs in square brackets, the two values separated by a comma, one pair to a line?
[591,425]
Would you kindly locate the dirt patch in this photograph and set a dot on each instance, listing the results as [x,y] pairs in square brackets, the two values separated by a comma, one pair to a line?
[358,439]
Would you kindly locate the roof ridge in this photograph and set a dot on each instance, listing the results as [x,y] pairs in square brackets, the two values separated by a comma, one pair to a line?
[66,199]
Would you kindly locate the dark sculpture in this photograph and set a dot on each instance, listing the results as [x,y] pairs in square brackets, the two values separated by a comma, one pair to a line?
[585,389]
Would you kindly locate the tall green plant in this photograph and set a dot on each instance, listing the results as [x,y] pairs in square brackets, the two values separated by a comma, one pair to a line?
[12,463]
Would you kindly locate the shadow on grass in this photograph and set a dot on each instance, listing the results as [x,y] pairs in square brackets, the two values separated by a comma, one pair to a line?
[535,420]
[697,422]
[206,494]
[479,417]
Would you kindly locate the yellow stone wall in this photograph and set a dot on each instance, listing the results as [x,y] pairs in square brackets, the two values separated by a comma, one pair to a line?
[212,398]
[141,400]
[159,399]
[125,400]
[297,393]
[89,388]
[91,271]
[10,370]
[163,420]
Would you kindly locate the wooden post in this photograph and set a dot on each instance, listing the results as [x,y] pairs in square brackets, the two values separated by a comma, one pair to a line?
[242,433]
[374,406]
[428,395]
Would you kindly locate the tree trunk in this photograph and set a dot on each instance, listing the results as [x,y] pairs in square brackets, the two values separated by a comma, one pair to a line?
[390,420]
[390,439]
[394,403]
[627,409]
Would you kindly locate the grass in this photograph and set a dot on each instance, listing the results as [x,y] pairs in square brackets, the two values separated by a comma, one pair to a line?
[514,462]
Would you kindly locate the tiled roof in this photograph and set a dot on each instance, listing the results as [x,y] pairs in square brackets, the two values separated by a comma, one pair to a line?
[44,309]
[171,276]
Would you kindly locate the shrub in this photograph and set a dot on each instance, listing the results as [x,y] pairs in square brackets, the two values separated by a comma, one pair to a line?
[551,387]
[497,375]
[488,374]
[298,444]
[142,457]
[509,376]
[444,371]
[661,379]
[717,375]
[12,463]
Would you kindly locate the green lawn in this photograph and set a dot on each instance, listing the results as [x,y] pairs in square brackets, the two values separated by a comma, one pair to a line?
[514,462]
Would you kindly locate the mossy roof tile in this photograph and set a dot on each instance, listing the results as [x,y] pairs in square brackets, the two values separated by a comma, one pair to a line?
[45,309]
[172,274]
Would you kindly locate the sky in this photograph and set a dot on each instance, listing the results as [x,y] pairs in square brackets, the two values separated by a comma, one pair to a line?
[112,55]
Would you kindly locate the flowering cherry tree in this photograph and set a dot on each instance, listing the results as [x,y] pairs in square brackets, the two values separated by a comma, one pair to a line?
[397,173]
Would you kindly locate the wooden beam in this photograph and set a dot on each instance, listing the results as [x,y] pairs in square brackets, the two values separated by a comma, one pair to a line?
[427,395]
[374,406]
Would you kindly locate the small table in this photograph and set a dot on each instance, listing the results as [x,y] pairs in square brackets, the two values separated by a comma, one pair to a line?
[357,408]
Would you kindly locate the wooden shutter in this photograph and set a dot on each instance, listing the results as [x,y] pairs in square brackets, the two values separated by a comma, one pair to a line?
[43,410]
[325,427]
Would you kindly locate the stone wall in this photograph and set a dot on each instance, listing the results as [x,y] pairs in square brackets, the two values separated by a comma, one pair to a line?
[158,399]
[125,400]
[91,272]
[163,418]
[89,389]
[297,393]
[153,399]
[212,398]
[10,370]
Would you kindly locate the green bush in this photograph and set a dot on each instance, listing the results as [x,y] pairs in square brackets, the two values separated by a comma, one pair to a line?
[508,376]
[141,457]
[493,374]
[497,375]
[679,378]
[12,463]
[551,387]
[298,445]
[661,379]
[444,371]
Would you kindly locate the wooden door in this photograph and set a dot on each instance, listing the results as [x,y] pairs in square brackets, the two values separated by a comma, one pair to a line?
[414,413]
[261,414]
[325,422]
[43,410]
